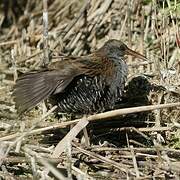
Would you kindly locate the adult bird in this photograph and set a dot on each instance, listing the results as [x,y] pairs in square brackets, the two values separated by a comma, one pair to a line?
[79,85]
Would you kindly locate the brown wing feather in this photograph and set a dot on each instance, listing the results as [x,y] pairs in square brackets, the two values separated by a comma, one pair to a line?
[33,87]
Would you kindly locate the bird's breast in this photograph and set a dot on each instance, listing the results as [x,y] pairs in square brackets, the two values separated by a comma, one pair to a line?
[119,78]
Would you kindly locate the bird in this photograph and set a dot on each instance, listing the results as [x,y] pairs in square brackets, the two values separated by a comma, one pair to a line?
[78,85]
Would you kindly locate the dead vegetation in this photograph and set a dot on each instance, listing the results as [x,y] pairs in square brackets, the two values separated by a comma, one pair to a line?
[120,144]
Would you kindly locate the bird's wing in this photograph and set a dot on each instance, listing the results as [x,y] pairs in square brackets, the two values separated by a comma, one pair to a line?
[89,65]
[33,87]
[94,65]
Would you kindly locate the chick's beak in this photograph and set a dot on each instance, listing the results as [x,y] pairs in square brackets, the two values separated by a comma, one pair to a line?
[135,54]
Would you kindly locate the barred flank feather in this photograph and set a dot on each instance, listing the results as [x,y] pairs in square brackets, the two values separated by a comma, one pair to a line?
[85,95]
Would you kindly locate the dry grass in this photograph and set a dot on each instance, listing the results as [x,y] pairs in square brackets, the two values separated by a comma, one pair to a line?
[117,144]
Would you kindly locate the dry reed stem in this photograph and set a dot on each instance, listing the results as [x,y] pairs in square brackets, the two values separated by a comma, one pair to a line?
[134,162]
[120,166]
[99,117]
[45,33]
[45,163]
[61,146]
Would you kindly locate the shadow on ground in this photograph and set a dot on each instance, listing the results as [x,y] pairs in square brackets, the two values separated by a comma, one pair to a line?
[118,130]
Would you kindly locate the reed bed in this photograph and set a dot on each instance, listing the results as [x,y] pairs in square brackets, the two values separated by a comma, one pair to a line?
[140,139]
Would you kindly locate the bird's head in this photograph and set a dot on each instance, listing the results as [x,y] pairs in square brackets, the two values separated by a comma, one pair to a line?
[117,49]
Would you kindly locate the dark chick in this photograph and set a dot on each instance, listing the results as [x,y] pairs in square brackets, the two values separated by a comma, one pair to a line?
[80,85]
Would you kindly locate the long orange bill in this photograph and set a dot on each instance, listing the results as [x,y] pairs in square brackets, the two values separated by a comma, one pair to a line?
[135,54]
